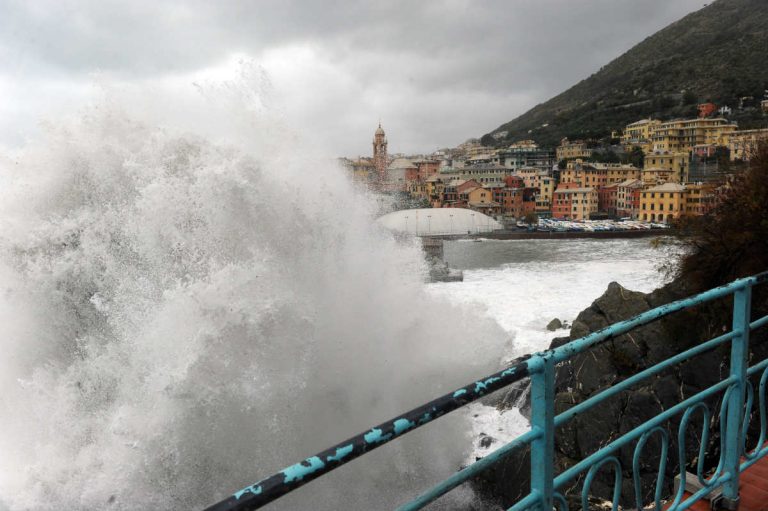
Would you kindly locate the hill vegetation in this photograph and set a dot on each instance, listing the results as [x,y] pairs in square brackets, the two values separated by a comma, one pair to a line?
[718,54]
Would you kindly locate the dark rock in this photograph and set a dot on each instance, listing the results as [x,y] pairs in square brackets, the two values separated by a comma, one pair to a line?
[486,441]
[555,324]
[589,373]
[516,396]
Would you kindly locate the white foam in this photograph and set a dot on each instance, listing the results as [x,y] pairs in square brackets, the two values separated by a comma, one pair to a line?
[565,278]
[182,318]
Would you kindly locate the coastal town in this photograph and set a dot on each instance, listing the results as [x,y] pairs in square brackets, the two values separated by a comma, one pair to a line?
[653,171]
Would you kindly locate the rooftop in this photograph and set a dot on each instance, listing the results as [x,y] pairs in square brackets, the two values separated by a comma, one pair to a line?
[574,190]
[667,187]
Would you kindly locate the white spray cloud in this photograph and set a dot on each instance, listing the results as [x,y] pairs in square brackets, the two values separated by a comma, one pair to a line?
[182,316]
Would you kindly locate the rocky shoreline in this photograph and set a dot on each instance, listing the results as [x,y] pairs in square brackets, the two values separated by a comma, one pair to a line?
[589,373]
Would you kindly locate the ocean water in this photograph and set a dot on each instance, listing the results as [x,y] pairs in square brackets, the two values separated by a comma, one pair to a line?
[524,284]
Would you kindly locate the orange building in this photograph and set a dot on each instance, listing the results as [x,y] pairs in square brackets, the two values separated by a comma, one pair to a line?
[707,109]
[572,202]
[628,198]
[607,199]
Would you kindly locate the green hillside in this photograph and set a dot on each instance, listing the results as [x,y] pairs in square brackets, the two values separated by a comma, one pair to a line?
[719,53]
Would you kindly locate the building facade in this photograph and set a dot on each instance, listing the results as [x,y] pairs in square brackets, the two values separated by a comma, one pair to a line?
[572,149]
[662,203]
[572,202]
[677,163]
[743,144]
[628,198]
[638,134]
[684,134]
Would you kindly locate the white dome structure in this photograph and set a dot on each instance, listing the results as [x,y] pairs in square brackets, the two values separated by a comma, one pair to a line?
[438,221]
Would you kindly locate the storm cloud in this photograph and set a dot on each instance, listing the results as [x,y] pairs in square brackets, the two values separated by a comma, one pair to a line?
[435,73]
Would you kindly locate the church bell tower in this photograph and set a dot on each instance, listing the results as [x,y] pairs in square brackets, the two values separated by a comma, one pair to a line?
[380,154]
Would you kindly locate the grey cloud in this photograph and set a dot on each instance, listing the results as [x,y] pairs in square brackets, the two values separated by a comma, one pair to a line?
[438,72]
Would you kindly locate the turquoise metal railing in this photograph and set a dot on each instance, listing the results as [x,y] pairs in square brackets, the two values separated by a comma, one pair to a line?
[734,416]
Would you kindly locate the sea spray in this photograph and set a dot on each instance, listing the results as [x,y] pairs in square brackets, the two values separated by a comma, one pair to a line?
[181,317]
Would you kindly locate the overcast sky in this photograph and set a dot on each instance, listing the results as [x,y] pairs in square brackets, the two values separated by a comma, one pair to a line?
[435,72]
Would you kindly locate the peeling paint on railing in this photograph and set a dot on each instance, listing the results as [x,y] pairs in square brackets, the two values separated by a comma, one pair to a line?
[545,486]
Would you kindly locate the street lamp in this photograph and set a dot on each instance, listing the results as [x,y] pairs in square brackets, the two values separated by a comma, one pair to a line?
[429,224]
[451,217]
[473,222]
[406,224]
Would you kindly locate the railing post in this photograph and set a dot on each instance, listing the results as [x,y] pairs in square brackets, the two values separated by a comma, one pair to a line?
[543,418]
[739,352]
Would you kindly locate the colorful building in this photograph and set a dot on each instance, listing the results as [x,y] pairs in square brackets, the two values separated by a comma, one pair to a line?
[569,150]
[706,109]
[572,202]
[662,203]
[363,170]
[682,135]
[638,134]
[595,175]
[401,173]
[628,198]
[743,144]
[525,153]
[657,176]
[607,199]
[698,199]
[676,162]
[480,199]
[483,172]
[544,198]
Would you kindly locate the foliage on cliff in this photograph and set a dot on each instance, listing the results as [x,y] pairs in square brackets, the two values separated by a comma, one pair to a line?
[732,241]
[715,54]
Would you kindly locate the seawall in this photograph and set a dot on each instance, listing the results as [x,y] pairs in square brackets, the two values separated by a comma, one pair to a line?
[526,235]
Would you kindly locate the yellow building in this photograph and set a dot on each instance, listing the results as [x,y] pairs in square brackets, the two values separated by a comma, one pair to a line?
[682,135]
[479,195]
[472,148]
[743,144]
[657,176]
[418,189]
[677,163]
[435,186]
[362,169]
[481,199]
[638,134]
[531,176]
[544,197]
[596,175]
[698,199]
[576,149]
[524,144]
[662,203]
[617,172]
